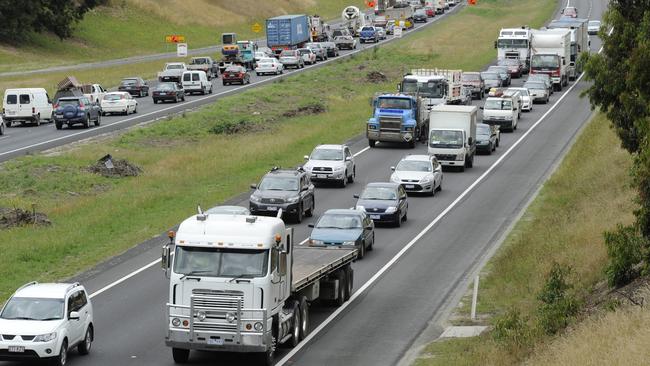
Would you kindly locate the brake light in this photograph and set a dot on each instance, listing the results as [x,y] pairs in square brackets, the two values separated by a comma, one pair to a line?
[81,104]
[241,74]
[56,106]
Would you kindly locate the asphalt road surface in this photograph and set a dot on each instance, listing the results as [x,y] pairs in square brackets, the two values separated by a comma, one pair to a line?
[413,276]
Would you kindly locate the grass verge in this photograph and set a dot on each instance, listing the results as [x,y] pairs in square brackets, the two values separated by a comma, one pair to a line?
[196,157]
[564,225]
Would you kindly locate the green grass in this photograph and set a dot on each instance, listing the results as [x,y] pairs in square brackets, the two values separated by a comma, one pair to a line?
[126,28]
[184,163]
[564,224]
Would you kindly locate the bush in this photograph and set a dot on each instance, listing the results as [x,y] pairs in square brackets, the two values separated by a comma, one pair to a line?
[511,328]
[558,306]
[625,250]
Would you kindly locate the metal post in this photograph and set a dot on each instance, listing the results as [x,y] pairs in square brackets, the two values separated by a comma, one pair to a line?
[474,298]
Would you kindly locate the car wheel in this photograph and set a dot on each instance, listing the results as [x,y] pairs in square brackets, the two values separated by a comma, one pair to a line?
[299,215]
[62,358]
[310,212]
[398,221]
[141,94]
[372,243]
[489,151]
[2,129]
[135,109]
[351,177]
[59,125]
[86,122]
[37,120]
[344,181]
[180,355]
[98,121]
[258,74]
[84,347]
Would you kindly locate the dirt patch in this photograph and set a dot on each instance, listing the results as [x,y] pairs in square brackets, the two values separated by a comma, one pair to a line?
[636,293]
[109,167]
[237,127]
[376,77]
[16,217]
[306,110]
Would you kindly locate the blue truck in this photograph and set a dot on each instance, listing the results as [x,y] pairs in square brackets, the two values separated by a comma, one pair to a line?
[287,32]
[397,118]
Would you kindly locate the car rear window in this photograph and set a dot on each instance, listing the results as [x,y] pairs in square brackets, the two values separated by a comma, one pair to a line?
[129,82]
[287,53]
[24,99]
[12,99]
[471,77]
[64,102]
[113,96]
[195,77]
[368,29]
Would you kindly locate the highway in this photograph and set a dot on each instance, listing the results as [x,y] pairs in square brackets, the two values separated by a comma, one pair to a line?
[410,281]
[20,140]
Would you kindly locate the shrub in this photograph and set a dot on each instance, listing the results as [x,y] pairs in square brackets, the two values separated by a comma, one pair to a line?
[625,250]
[557,306]
[511,328]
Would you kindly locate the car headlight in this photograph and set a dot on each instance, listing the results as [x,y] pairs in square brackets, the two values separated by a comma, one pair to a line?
[349,243]
[307,168]
[391,210]
[45,337]
[293,199]
[255,198]
[338,168]
[315,242]
[394,178]
[426,179]
[460,157]
[360,208]
[508,118]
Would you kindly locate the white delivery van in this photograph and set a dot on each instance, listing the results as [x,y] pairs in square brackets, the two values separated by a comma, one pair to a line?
[196,82]
[452,135]
[26,105]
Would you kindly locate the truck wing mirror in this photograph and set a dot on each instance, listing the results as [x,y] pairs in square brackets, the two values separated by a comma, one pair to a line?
[166,258]
[306,157]
[495,44]
[399,87]
[355,195]
[253,186]
[470,140]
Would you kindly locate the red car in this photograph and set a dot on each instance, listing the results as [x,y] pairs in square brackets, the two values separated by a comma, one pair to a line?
[236,74]
[431,12]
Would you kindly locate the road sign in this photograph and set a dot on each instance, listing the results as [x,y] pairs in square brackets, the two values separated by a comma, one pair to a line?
[174,38]
[471,2]
[370,3]
[397,32]
[181,49]
[257,27]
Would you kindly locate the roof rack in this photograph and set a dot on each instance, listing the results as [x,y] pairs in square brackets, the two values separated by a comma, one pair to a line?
[26,285]
[76,284]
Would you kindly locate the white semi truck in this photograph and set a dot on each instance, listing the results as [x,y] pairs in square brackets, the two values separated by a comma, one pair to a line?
[452,135]
[434,86]
[514,43]
[551,54]
[238,284]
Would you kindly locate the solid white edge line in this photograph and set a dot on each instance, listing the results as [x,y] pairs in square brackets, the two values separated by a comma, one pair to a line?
[413,241]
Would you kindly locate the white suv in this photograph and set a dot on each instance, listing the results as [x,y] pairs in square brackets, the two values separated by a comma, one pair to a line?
[329,163]
[44,321]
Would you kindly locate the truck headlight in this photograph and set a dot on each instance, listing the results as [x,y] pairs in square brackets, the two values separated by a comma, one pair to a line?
[230,317]
[45,337]
[258,326]
[460,157]
[176,322]
[391,209]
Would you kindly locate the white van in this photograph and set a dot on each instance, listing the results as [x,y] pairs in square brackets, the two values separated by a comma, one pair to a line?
[196,82]
[26,105]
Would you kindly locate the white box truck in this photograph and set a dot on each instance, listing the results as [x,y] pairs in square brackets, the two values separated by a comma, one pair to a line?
[434,86]
[238,284]
[579,41]
[551,54]
[452,135]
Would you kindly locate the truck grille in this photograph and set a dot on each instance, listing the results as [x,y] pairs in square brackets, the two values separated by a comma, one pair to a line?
[390,124]
[274,201]
[445,157]
[216,304]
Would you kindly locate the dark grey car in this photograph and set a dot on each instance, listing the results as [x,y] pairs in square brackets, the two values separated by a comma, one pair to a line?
[384,203]
[289,190]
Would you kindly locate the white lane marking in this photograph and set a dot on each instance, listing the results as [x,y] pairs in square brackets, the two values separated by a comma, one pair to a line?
[134,273]
[216,95]
[361,151]
[408,246]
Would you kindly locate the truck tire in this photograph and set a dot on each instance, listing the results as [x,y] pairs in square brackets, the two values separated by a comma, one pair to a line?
[470,162]
[304,318]
[340,298]
[8,123]
[295,332]
[349,281]
[268,357]
[180,355]
[372,143]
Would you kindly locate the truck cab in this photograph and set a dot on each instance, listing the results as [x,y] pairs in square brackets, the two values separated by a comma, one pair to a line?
[452,135]
[247,51]
[396,118]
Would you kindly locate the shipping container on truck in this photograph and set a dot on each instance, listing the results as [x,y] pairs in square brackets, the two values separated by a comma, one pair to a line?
[287,32]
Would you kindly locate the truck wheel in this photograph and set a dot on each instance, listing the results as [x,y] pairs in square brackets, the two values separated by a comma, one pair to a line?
[304,318]
[340,298]
[372,143]
[470,163]
[412,143]
[180,355]
[8,123]
[297,320]
[349,281]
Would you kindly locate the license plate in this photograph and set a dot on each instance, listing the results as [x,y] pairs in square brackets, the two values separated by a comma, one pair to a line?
[215,342]
[16,349]
[163,93]
[374,217]
[321,175]
[272,208]
[409,186]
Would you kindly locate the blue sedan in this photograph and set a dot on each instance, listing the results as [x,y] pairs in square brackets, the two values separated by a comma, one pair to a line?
[344,227]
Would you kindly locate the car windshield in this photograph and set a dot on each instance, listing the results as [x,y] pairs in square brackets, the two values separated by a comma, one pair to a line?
[29,308]
[522,92]
[533,85]
[594,23]
[490,75]
[471,77]
[199,61]
[64,102]
[327,154]
[339,221]
[420,12]
[545,61]
[218,262]
[429,89]
[113,96]
[394,103]
[379,193]
[342,38]
[413,166]
[446,139]
[508,62]
[279,184]
[166,86]
[483,130]
[129,82]
[498,104]
[234,69]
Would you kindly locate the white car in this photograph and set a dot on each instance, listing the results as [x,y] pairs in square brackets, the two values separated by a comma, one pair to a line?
[593,27]
[118,102]
[524,94]
[44,321]
[308,55]
[269,65]
[381,32]
[418,174]
[501,111]
[538,91]
[329,163]
[196,82]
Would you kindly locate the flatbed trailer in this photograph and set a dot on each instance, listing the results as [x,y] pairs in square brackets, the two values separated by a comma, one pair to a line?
[312,264]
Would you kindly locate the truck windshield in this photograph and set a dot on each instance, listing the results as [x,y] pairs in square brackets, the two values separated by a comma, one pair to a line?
[430,89]
[498,104]
[446,139]
[219,262]
[512,43]
[394,103]
[545,62]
